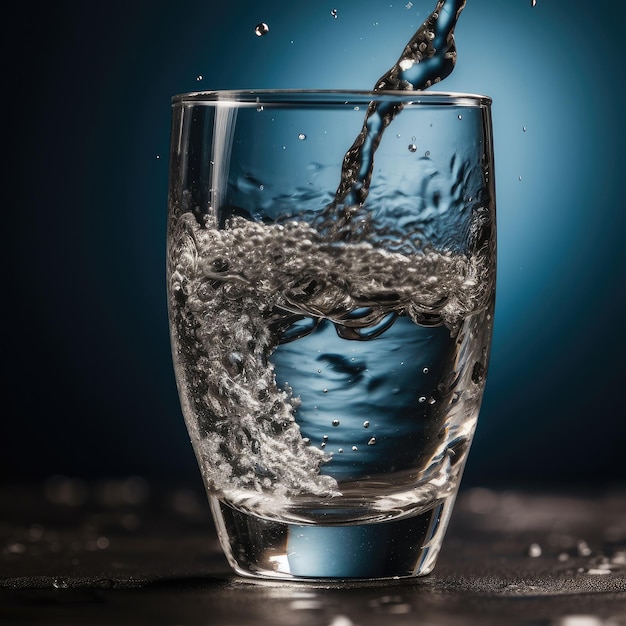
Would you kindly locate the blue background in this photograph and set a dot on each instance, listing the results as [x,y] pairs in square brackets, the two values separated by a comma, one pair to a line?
[89,389]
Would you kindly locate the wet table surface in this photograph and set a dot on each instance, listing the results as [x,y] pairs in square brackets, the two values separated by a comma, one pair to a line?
[126,552]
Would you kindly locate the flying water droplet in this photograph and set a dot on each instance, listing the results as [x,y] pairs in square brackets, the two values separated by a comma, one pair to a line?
[261,29]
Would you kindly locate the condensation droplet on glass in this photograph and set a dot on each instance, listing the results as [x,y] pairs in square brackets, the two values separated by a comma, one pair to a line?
[301,136]
[333,12]
[336,422]
[372,441]
[366,424]
[412,147]
[261,29]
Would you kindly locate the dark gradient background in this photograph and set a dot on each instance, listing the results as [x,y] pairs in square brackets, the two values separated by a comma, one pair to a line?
[88,384]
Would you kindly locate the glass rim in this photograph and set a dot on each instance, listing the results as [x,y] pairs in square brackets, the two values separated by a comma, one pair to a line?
[254,97]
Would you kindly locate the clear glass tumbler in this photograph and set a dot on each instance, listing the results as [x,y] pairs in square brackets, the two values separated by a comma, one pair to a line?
[331,276]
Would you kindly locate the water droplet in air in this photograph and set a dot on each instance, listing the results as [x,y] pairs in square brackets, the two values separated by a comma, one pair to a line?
[366,424]
[412,147]
[261,29]
[333,12]
[534,550]
[102,543]
[336,422]
[301,136]
[372,441]
[583,548]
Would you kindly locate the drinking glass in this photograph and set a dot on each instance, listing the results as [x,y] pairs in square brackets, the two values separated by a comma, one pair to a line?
[331,276]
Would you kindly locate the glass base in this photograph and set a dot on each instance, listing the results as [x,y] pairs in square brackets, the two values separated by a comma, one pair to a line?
[271,549]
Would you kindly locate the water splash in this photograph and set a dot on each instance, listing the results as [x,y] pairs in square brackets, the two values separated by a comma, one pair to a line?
[427,59]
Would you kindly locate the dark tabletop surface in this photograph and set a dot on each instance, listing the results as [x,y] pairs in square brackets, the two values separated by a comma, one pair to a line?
[127,552]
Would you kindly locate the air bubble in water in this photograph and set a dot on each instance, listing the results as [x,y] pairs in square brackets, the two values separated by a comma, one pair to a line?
[333,12]
[336,423]
[412,147]
[524,129]
[533,3]
[366,424]
[354,448]
[199,77]
[409,5]
[301,136]
[425,370]
[372,441]
[421,399]
[261,29]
